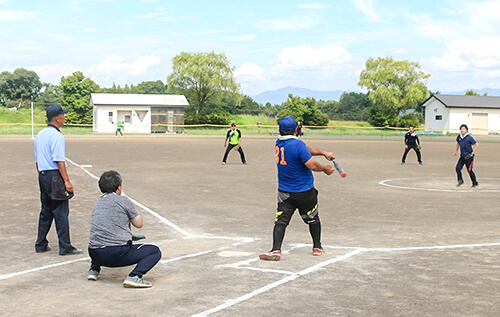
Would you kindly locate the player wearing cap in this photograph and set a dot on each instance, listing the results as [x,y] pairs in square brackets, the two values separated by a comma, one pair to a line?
[234,137]
[296,186]
[55,187]
[468,147]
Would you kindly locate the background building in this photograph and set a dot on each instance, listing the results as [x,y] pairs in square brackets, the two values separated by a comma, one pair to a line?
[445,113]
[141,113]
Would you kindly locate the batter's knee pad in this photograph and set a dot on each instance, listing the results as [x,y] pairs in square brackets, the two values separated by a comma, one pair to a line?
[311,216]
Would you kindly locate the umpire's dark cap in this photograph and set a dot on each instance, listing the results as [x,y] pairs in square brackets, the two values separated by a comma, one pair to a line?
[287,124]
[55,110]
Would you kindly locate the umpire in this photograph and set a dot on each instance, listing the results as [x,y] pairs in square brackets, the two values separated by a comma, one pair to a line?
[55,187]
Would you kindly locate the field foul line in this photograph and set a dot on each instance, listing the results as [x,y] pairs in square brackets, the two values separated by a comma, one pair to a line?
[384,183]
[294,275]
[6,276]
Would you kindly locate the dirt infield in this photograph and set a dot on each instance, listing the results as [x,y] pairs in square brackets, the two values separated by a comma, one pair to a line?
[400,240]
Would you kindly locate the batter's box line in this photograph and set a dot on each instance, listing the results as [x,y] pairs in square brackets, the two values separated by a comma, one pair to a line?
[314,268]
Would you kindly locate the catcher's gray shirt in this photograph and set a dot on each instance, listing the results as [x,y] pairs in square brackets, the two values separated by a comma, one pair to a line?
[111,217]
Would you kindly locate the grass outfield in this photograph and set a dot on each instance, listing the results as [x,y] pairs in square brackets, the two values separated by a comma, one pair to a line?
[19,123]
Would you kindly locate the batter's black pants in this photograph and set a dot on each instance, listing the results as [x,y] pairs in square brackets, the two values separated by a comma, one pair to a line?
[419,157]
[307,203]
[229,148]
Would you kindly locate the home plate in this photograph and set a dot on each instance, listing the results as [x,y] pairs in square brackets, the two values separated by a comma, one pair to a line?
[231,254]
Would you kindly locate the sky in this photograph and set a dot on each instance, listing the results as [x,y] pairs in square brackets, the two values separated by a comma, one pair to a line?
[319,45]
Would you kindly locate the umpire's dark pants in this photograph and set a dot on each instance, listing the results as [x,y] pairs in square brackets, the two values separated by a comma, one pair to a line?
[419,157]
[144,255]
[57,210]
[469,164]
[229,148]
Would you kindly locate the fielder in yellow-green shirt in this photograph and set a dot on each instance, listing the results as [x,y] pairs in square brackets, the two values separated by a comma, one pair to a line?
[234,137]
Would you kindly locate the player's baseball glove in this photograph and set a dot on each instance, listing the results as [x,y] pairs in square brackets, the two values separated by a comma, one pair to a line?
[236,148]
[419,147]
[469,157]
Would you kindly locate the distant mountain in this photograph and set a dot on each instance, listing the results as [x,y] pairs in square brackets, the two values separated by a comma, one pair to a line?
[490,92]
[279,96]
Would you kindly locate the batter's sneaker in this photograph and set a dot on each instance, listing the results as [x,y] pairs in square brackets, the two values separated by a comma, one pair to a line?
[136,282]
[318,251]
[92,275]
[271,256]
[460,183]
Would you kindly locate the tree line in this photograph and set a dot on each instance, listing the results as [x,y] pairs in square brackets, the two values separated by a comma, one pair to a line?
[208,82]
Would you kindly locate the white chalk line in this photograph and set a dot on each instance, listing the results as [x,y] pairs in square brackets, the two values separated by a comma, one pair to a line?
[294,275]
[6,276]
[384,183]
[286,279]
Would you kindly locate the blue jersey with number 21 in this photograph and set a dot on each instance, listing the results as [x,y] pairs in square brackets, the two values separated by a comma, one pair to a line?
[293,174]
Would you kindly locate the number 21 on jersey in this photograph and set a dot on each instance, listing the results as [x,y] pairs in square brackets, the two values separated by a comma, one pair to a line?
[280,155]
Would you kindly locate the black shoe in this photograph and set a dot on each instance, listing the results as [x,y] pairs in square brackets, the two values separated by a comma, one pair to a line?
[47,248]
[73,252]
[460,183]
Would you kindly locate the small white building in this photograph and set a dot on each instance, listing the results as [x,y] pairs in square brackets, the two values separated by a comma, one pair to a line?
[141,113]
[445,113]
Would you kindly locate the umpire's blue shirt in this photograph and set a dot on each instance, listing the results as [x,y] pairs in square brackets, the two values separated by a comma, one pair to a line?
[50,148]
[466,144]
[293,175]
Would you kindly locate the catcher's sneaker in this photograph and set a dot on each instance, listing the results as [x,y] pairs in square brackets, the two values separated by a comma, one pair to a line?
[92,275]
[136,282]
[460,183]
[318,251]
[271,256]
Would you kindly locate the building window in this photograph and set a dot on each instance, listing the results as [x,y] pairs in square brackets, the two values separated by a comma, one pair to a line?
[127,118]
[439,117]
[110,115]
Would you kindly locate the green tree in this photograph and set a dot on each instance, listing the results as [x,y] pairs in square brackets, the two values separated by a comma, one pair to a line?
[21,84]
[305,110]
[76,90]
[50,94]
[149,87]
[394,86]
[200,76]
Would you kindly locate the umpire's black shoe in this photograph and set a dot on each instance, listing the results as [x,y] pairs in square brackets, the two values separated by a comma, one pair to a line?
[47,248]
[73,252]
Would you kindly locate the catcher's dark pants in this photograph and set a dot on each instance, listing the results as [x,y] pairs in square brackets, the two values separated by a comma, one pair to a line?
[229,148]
[52,209]
[419,157]
[468,163]
[144,255]
[307,203]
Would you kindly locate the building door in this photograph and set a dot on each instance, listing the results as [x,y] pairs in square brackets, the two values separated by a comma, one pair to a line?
[170,121]
[479,123]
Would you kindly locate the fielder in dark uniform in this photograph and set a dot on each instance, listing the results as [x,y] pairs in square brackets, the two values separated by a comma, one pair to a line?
[468,147]
[55,187]
[296,186]
[412,142]
[234,137]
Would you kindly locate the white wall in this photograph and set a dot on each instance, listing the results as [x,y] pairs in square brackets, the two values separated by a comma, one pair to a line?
[459,116]
[432,109]
[102,124]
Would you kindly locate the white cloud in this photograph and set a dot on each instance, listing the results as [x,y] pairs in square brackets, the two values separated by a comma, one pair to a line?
[243,38]
[288,24]
[440,30]
[307,59]
[58,36]
[16,16]
[315,5]
[150,1]
[149,15]
[250,71]
[53,73]
[465,54]
[114,65]
[366,7]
